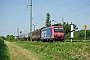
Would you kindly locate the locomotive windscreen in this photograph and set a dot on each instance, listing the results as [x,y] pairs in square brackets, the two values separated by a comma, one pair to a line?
[58,30]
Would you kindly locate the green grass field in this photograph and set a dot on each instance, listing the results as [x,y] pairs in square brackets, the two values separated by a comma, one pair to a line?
[58,50]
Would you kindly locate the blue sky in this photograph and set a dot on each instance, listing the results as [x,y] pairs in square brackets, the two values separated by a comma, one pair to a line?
[14,12]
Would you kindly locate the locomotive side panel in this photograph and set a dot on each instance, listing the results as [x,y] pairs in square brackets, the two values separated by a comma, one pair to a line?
[46,33]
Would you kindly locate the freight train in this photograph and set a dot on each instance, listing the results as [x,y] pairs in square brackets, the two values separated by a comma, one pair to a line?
[53,33]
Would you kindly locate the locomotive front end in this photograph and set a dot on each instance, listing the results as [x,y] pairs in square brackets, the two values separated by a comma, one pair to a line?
[58,33]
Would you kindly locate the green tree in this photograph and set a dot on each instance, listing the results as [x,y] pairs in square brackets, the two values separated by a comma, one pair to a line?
[10,37]
[48,22]
[67,27]
[79,35]
[88,34]
[2,37]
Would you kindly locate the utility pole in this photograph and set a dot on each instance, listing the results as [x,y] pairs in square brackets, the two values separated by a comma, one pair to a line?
[14,32]
[18,31]
[62,20]
[31,20]
[34,26]
[85,35]
[85,27]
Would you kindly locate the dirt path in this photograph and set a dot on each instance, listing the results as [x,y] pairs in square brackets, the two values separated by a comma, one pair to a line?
[18,53]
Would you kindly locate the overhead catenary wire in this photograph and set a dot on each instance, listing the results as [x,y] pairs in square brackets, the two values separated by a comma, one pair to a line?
[81,16]
[76,15]
[74,10]
[77,9]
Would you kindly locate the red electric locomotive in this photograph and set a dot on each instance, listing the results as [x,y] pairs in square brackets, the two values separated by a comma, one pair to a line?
[54,33]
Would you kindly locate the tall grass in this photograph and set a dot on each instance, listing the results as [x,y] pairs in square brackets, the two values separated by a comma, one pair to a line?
[4,52]
[58,50]
[1,42]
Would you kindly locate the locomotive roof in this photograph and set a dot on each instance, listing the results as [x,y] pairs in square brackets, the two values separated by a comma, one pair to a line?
[52,26]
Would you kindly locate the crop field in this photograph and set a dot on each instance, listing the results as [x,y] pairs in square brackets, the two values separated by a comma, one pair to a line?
[57,50]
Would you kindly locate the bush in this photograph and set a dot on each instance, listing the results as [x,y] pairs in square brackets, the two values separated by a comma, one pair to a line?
[1,42]
[10,38]
[79,35]
[4,52]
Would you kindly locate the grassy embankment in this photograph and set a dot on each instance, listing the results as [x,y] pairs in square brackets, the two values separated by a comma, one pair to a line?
[4,52]
[58,50]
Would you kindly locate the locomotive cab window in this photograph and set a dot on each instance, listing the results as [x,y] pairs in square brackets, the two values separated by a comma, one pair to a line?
[58,30]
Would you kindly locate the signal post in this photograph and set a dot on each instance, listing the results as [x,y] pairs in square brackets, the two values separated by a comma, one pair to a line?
[85,27]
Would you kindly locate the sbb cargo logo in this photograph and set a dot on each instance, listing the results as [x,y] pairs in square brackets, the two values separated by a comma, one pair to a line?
[43,34]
